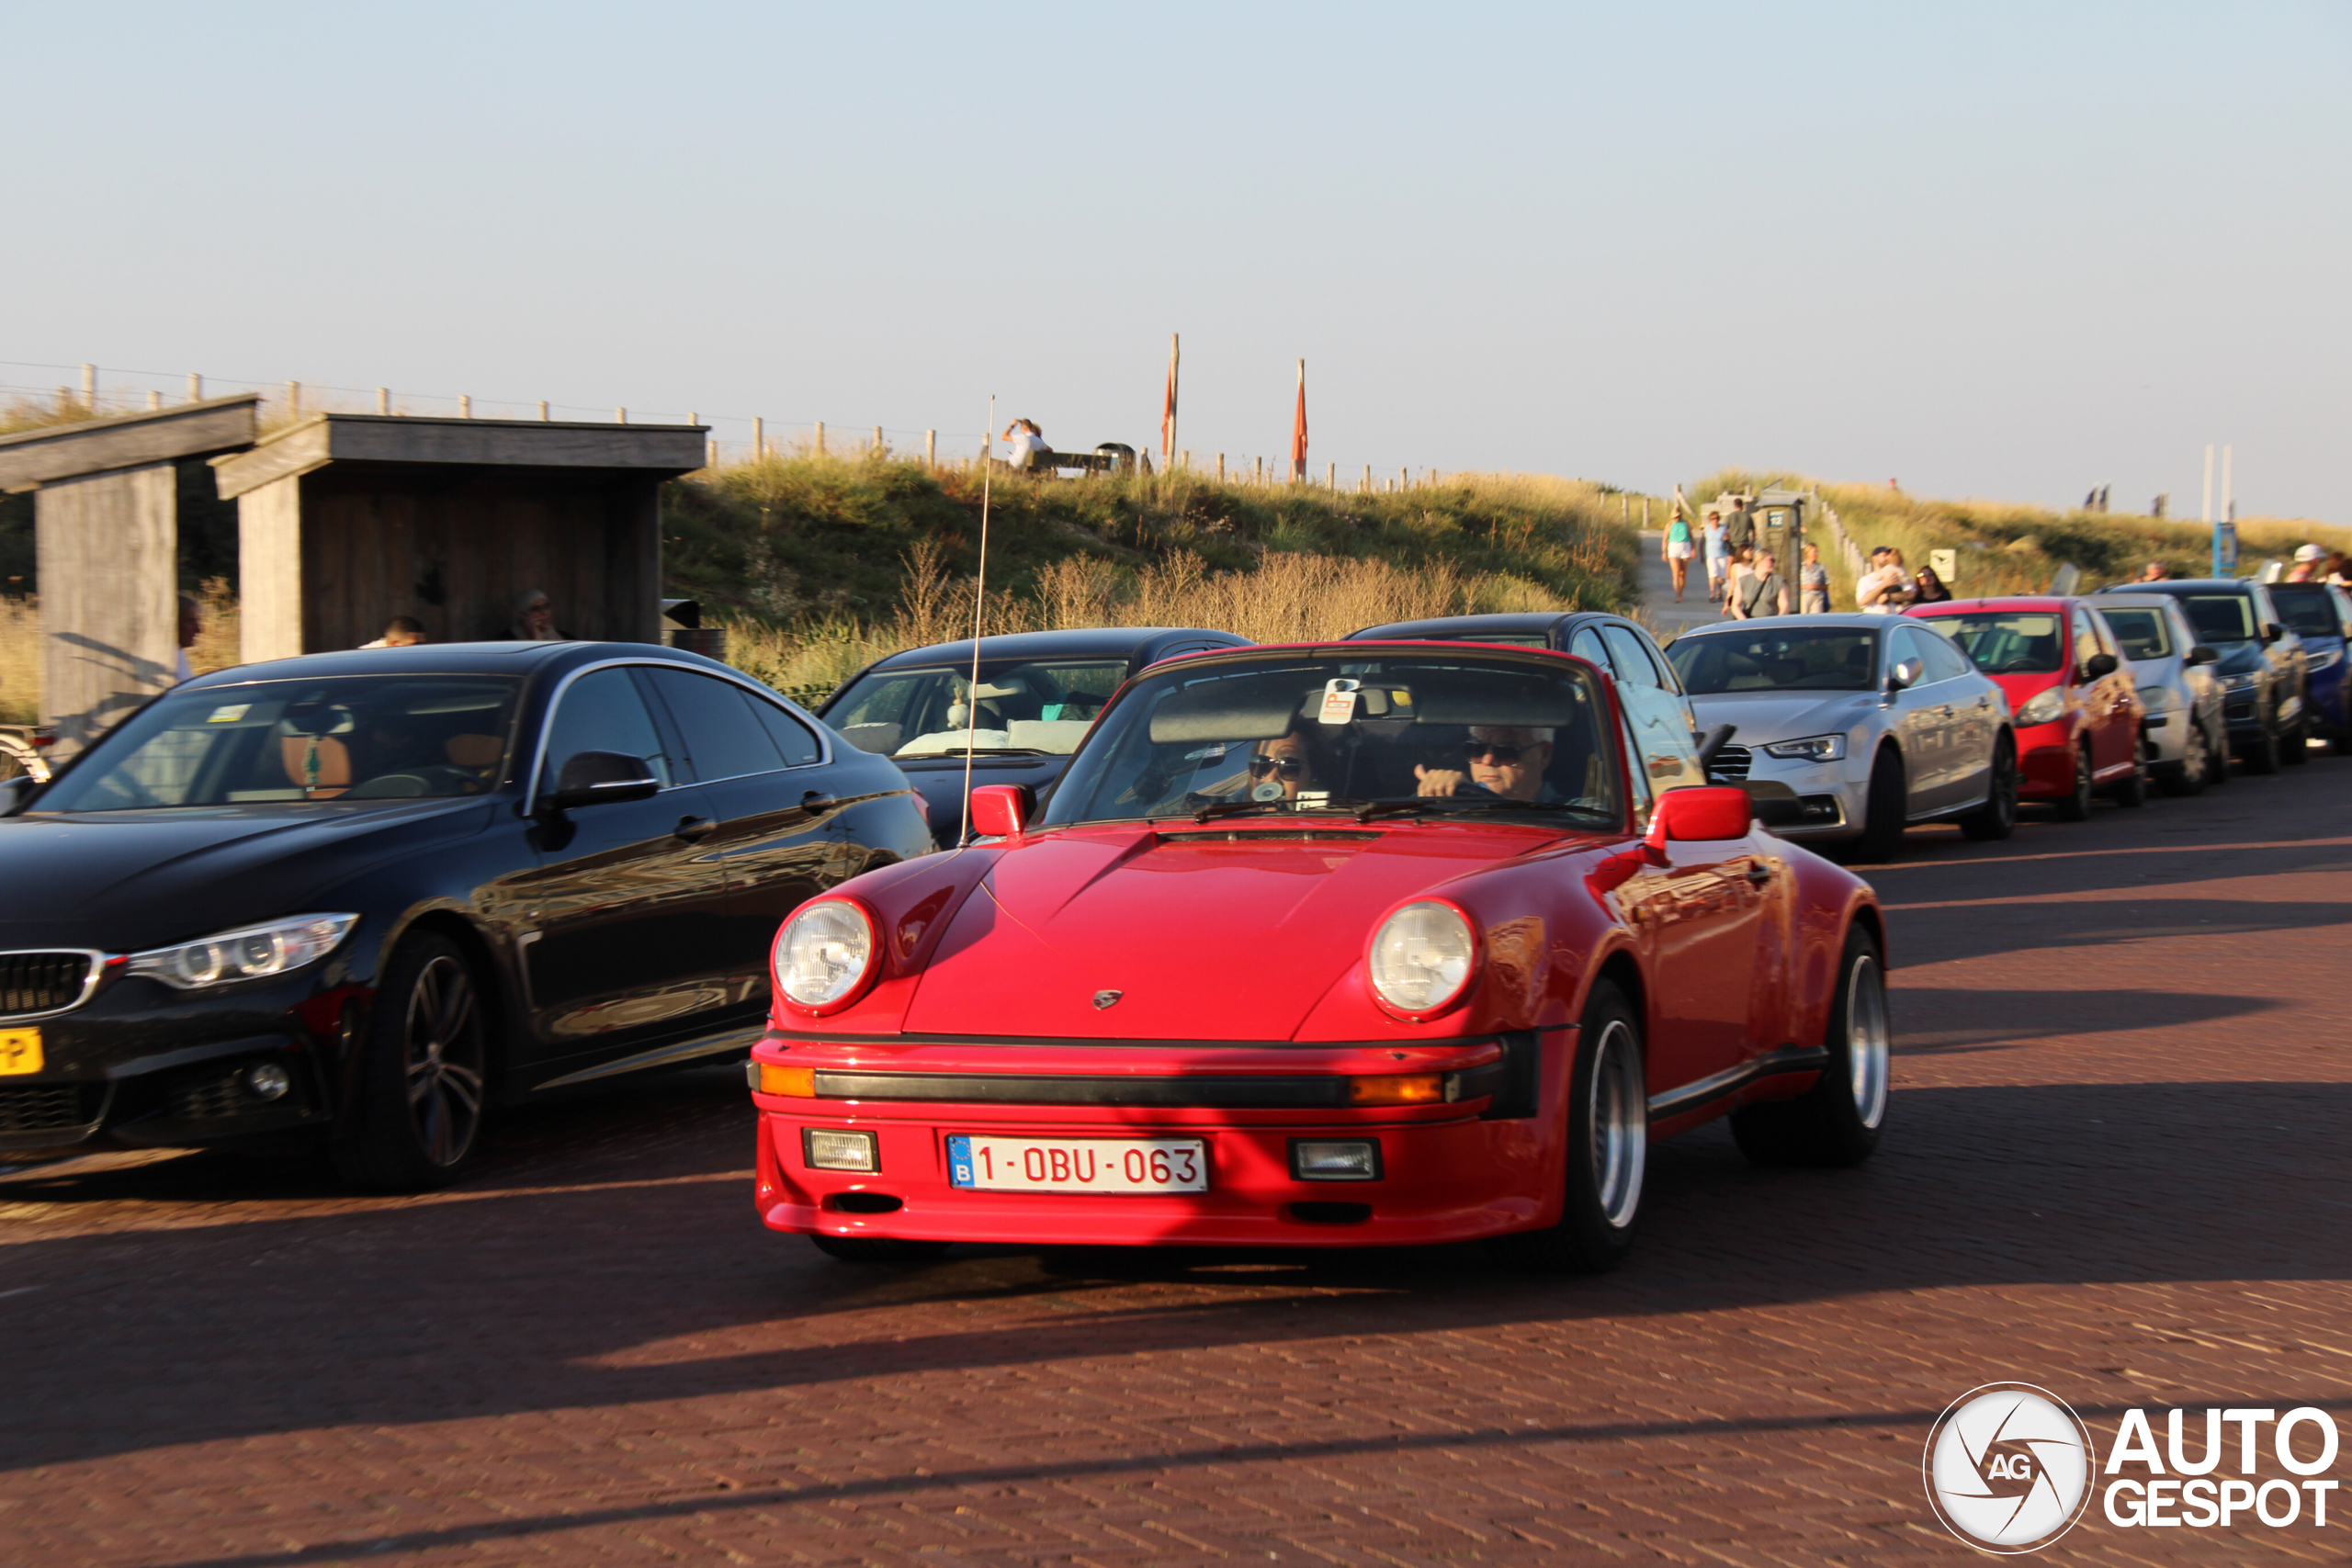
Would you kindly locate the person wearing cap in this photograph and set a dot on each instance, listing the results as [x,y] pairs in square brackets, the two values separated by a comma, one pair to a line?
[2307,564]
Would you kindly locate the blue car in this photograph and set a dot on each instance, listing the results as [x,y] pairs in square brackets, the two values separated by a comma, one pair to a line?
[2322,616]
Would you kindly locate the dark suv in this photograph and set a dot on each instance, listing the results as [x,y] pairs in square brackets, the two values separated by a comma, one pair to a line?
[2266,686]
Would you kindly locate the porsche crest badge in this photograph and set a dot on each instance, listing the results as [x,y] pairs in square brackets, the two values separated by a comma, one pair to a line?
[1107,998]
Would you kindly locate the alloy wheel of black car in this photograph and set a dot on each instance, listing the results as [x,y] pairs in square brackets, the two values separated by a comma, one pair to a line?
[1607,1150]
[417,1109]
[2076,807]
[1997,818]
[2196,765]
[1838,1120]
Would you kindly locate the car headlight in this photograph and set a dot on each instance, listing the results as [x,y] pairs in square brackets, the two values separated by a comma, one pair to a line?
[1813,748]
[2326,658]
[2044,706]
[2241,682]
[249,952]
[2156,698]
[824,954]
[1423,958]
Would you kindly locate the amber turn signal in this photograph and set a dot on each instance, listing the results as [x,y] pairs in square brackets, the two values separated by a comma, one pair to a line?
[1397,1088]
[798,1082]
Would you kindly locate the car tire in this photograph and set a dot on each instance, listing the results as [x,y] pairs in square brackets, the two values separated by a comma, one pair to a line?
[1608,1149]
[2295,746]
[2196,768]
[876,1248]
[2260,756]
[2131,790]
[1839,1121]
[1997,818]
[418,1094]
[2077,807]
[1884,810]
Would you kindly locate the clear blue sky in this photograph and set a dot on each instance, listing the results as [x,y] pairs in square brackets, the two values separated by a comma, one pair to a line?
[1999,250]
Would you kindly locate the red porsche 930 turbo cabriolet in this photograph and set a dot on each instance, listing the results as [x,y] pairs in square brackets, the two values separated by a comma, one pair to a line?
[1343,944]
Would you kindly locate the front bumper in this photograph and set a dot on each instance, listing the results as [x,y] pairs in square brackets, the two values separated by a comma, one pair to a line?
[1446,1172]
[140,1065]
[2046,762]
[1834,803]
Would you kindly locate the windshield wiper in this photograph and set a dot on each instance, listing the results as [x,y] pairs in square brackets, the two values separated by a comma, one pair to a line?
[977,751]
[1416,804]
[1244,807]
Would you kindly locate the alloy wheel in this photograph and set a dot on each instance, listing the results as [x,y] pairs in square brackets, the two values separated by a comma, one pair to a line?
[442,1060]
[1620,1124]
[1867,1041]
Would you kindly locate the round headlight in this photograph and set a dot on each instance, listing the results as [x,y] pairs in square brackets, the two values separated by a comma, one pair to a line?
[823,954]
[1423,957]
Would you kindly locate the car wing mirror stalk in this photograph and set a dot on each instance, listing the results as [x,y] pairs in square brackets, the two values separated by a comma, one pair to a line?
[598,778]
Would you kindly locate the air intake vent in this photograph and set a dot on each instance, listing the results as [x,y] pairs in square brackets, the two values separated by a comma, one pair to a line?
[42,982]
[1730,765]
[48,1107]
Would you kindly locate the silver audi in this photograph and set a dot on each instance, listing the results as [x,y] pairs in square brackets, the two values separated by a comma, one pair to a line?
[1872,723]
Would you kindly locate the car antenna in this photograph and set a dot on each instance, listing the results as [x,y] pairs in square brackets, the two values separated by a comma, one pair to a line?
[980,604]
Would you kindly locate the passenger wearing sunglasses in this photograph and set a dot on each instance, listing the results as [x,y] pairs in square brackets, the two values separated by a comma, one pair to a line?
[1286,763]
[1504,759]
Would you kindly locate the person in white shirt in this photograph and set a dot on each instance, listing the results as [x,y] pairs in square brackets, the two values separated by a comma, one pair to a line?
[1025,442]
[1886,587]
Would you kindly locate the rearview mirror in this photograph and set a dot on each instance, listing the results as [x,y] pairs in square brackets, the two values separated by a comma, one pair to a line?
[2098,666]
[1906,673]
[2201,654]
[595,778]
[999,811]
[1701,815]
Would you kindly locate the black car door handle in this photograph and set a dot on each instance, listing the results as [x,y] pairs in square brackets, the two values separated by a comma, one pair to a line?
[815,800]
[1759,873]
[694,829]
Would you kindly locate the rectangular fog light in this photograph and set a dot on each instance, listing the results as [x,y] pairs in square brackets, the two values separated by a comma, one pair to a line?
[1335,1159]
[825,1148]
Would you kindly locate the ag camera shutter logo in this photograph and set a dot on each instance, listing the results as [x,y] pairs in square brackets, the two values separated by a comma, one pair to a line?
[2008,1468]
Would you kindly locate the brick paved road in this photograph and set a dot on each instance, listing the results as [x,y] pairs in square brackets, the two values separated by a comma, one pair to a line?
[2115,1168]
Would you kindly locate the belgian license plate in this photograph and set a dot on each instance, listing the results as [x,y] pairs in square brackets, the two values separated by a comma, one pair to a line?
[19,1051]
[1077,1165]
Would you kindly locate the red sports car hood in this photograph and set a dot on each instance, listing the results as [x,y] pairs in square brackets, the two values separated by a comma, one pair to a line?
[1205,936]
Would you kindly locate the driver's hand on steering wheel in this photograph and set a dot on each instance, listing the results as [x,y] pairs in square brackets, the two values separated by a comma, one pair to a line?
[1439,781]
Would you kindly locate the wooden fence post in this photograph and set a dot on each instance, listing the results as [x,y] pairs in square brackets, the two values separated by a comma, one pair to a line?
[90,387]
[154,399]
[711,460]
[930,449]
[620,416]
[1257,471]
[759,439]
[465,405]
[1645,511]
[1331,478]
[293,399]
[878,443]
[1220,468]
[820,438]
[195,387]
[544,417]
[383,399]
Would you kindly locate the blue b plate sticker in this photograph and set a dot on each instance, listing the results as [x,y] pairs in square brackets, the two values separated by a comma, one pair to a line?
[959,1160]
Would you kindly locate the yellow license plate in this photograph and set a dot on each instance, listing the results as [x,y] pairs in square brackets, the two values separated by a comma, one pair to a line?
[19,1051]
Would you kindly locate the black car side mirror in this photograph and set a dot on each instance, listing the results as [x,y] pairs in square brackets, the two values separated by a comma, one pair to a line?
[2201,654]
[2098,666]
[13,793]
[593,778]
[1906,673]
[2273,632]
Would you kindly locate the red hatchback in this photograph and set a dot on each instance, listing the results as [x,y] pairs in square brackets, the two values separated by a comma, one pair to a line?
[2069,688]
[1349,944]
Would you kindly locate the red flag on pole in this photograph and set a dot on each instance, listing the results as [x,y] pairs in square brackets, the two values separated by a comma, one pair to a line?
[1167,412]
[1298,429]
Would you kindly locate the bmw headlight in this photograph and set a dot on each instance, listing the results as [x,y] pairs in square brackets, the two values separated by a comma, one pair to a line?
[1423,958]
[2043,707]
[249,952]
[1813,748]
[824,954]
[2241,682]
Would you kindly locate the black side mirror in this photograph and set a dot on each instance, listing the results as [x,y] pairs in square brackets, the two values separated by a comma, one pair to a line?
[2201,654]
[14,792]
[1906,673]
[592,778]
[2273,632]
[2098,666]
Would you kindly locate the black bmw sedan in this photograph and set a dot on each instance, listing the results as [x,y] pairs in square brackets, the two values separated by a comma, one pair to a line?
[355,898]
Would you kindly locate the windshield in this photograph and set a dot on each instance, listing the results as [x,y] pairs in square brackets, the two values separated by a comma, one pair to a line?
[2307,609]
[343,738]
[1301,733]
[1779,660]
[2010,643]
[2220,617]
[2142,634]
[1041,707]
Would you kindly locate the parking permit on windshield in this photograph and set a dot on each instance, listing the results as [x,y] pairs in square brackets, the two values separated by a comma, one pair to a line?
[1339,701]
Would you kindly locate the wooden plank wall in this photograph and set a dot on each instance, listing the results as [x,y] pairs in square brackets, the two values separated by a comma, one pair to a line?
[269,572]
[107,546]
[454,551]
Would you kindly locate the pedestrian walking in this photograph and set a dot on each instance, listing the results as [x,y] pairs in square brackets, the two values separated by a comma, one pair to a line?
[1813,584]
[1761,592]
[1679,546]
[1718,547]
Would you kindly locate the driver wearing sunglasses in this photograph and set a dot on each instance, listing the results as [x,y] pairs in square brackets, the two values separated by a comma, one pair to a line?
[1504,759]
[1287,761]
